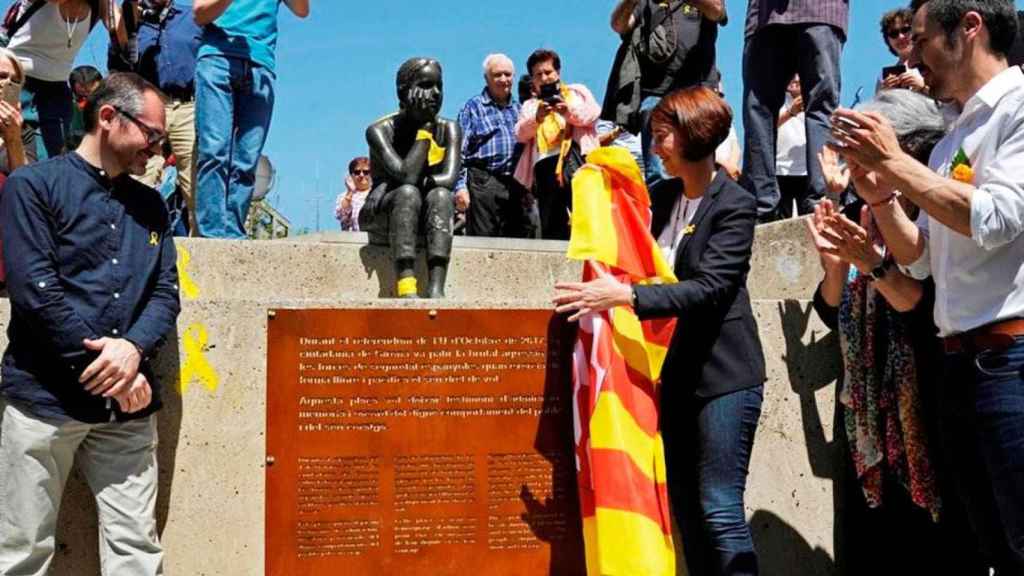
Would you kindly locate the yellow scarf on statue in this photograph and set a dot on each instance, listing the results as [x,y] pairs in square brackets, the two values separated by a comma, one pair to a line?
[436,154]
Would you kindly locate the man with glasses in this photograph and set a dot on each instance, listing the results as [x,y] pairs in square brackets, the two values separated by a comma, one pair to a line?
[93,285]
[783,38]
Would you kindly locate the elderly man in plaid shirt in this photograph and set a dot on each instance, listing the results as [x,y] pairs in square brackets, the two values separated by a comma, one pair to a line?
[493,200]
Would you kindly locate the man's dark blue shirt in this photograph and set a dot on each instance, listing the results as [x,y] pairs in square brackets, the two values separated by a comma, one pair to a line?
[168,42]
[86,257]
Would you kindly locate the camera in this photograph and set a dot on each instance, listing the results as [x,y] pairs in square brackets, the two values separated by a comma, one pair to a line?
[550,93]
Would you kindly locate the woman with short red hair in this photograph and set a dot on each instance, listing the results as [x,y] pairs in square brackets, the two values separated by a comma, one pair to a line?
[713,377]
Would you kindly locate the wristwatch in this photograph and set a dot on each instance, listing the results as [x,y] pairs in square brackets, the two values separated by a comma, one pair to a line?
[879,272]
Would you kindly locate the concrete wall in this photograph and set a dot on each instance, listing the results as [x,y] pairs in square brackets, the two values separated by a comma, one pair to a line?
[212,434]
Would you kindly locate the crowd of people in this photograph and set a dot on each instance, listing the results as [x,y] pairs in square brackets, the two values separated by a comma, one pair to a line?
[915,202]
[217,79]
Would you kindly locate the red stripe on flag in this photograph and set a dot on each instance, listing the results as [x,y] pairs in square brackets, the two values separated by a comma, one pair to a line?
[615,486]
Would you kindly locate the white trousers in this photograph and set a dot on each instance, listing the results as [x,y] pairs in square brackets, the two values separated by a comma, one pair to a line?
[118,460]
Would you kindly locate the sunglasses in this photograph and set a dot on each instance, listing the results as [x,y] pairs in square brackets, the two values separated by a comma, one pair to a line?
[360,172]
[897,32]
[153,135]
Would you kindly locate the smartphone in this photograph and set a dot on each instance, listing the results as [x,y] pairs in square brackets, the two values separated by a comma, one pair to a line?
[894,70]
[842,127]
[550,93]
[11,93]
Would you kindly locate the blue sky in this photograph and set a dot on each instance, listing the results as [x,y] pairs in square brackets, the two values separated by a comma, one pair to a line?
[336,71]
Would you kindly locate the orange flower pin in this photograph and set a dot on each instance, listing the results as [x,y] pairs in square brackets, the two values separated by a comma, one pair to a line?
[961,169]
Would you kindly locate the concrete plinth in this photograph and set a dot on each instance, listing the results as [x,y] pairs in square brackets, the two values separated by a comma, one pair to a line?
[212,434]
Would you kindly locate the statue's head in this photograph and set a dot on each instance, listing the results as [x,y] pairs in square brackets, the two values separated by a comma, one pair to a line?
[420,89]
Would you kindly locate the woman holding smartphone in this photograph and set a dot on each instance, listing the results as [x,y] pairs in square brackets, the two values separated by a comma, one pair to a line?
[896,31]
[713,377]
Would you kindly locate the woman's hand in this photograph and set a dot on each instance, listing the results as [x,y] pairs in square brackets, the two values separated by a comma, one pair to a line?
[10,122]
[853,243]
[796,107]
[837,177]
[543,109]
[831,264]
[911,81]
[582,298]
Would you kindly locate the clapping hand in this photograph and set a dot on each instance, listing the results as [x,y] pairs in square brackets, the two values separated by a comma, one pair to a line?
[865,138]
[837,175]
[831,263]
[851,242]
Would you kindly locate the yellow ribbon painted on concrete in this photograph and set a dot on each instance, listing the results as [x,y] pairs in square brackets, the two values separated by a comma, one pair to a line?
[189,289]
[196,367]
[407,286]
[436,154]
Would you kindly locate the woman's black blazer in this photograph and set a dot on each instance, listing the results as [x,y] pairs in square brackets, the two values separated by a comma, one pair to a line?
[716,348]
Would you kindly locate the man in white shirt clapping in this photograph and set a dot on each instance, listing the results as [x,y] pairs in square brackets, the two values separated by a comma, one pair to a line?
[969,239]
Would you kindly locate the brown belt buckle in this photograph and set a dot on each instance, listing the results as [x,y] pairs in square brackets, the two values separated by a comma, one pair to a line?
[956,344]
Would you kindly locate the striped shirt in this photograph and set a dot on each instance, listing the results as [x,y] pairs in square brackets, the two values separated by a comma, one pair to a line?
[488,136]
[761,13]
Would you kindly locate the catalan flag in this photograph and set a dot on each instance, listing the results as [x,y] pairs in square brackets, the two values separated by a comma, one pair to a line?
[617,362]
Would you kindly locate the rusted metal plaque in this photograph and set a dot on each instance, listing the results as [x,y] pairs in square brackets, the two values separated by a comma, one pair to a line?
[419,442]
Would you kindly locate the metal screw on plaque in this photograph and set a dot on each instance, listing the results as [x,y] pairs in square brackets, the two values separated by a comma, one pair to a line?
[270,460]
[271,313]
[432,314]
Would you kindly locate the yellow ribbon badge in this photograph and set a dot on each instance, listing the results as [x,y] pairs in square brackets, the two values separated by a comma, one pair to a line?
[154,239]
[690,229]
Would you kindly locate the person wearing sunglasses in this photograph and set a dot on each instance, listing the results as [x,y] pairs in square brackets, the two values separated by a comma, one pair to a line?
[93,287]
[357,187]
[896,35]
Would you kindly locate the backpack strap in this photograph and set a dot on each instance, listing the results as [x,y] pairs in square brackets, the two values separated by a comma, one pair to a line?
[13,27]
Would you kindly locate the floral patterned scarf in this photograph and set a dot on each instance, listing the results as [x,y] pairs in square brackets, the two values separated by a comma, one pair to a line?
[883,415]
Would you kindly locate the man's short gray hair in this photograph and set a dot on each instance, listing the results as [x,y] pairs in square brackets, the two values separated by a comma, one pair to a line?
[496,58]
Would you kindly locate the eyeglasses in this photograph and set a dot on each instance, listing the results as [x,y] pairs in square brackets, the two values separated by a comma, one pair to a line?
[360,172]
[153,135]
[895,33]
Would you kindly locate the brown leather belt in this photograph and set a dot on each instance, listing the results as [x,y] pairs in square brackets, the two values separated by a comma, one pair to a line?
[995,336]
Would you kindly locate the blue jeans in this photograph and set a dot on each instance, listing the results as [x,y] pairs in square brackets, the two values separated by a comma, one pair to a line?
[770,59]
[707,452]
[654,171]
[234,103]
[46,109]
[982,427]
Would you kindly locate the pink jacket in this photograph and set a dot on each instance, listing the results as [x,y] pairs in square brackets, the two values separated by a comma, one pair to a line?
[583,115]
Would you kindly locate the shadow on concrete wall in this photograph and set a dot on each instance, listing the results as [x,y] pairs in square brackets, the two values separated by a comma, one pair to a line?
[556,520]
[782,550]
[813,362]
[376,261]
[77,529]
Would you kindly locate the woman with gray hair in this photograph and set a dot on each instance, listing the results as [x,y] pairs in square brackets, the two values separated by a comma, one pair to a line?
[889,347]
